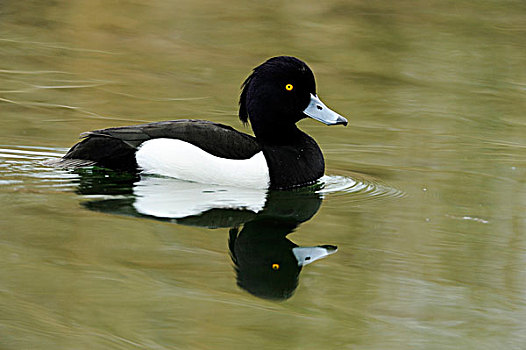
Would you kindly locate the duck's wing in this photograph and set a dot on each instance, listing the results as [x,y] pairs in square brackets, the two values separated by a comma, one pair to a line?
[115,147]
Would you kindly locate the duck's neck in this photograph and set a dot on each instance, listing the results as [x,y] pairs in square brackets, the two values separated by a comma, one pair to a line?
[274,127]
[278,135]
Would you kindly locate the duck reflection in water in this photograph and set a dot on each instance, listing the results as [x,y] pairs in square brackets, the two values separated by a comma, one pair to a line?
[267,264]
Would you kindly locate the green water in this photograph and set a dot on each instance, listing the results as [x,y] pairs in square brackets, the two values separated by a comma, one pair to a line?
[426,205]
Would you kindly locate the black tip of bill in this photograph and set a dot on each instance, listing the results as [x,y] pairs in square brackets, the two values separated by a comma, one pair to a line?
[341,120]
[319,111]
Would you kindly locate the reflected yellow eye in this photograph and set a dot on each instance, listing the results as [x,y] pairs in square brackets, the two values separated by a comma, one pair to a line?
[289,87]
[275,266]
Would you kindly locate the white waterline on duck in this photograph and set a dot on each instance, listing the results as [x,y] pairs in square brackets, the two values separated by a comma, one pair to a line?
[182,160]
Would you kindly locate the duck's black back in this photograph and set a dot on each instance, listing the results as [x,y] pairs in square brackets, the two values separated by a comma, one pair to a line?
[115,147]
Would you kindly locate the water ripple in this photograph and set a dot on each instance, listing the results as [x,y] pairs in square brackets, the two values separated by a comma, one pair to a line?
[357,188]
[21,167]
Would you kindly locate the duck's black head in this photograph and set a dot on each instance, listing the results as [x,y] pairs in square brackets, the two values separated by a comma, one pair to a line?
[278,94]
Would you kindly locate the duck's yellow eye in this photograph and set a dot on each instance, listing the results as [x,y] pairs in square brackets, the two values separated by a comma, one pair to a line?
[275,266]
[289,87]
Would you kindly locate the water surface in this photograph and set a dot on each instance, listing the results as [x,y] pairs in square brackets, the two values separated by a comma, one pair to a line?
[425,196]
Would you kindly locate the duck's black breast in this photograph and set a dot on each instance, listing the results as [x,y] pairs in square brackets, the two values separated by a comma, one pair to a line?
[115,147]
[299,163]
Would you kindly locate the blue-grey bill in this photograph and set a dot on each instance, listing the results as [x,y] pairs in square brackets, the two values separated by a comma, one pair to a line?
[319,111]
[306,255]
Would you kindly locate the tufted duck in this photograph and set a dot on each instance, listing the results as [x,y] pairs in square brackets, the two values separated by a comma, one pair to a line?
[277,94]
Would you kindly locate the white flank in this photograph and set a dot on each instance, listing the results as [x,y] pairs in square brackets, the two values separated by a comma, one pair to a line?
[182,160]
[171,198]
